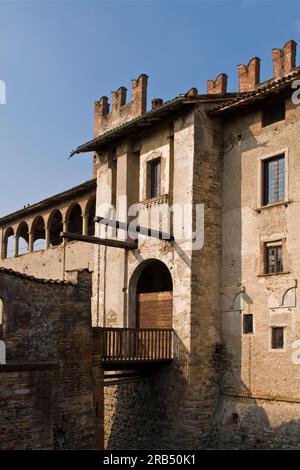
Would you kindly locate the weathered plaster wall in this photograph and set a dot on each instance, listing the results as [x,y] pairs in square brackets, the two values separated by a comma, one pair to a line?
[251,367]
[54,262]
[185,410]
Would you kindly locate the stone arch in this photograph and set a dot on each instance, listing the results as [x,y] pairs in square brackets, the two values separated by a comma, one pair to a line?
[22,238]
[38,231]
[74,218]
[8,243]
[90,213]
[55,227]
[151,295]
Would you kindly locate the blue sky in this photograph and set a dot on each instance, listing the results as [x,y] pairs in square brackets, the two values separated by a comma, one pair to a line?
[58,57]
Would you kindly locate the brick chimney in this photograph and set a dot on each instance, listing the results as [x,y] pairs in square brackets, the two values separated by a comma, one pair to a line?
[284,60]
[249,75]
[217,86]
[156,103]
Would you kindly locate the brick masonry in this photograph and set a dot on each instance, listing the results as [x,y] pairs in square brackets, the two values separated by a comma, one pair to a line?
[46,321]
[26,406]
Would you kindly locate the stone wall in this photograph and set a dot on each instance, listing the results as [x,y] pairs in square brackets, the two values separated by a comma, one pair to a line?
[50,321]
[257,423]
[26,406]
[146,413]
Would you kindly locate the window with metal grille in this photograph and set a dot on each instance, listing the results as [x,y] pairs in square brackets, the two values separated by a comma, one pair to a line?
[277,337]
[248,323]
[273,258]
[273,114]
[274,180]
[154,169]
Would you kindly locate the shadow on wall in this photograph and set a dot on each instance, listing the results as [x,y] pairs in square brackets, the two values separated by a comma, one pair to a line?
[243,423]
[146,413]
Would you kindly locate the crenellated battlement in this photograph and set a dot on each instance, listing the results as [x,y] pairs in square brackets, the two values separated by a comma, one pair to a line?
[219,85]
[284,60]
[249,75]
[121,112]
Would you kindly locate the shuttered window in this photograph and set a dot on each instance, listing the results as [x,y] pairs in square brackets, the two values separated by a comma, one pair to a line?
[154,176]
[273,257]
[274,180]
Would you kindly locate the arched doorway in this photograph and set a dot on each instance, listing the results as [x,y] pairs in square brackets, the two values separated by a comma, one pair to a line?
[154,296]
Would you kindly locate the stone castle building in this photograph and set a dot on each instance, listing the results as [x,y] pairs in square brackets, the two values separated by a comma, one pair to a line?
[181,347]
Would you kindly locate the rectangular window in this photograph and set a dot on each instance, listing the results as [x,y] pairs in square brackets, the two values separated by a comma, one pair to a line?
[273,114]
[248,324]
[273,256]
[274,180]
[154,169]
[277,337]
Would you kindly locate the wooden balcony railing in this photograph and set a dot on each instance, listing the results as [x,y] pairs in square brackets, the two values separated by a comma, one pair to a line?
[132,345]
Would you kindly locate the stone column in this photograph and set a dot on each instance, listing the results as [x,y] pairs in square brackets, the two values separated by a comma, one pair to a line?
[85,224]
[47,232]
[30,241]
[16,250]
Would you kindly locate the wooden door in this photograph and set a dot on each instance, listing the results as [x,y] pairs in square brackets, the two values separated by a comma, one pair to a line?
[154,310]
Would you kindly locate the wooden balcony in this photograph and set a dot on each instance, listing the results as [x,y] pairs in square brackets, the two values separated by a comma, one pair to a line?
[120,348]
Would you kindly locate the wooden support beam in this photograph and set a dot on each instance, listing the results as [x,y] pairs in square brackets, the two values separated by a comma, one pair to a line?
[125,245]
[148,232]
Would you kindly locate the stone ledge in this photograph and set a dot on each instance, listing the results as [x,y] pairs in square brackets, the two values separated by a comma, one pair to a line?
[162,199]
[275,204]
[283,273]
